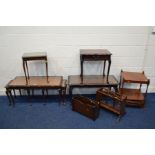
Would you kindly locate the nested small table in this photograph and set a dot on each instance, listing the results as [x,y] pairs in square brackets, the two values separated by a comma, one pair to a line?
[36,82]
[135,97]
[91,81]
[33,56]
[96,55]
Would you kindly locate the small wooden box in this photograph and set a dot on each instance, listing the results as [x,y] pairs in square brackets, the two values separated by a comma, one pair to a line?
[85,107]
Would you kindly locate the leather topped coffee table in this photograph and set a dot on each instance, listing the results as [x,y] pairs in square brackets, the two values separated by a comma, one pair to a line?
[91,81]
[36,82]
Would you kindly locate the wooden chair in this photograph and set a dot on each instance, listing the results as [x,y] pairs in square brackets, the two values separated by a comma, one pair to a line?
[116,103]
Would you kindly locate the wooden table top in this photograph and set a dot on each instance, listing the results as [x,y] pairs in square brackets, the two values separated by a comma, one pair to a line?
[92,80]
[94,52]
[34,55]
[134,77]
[36,81]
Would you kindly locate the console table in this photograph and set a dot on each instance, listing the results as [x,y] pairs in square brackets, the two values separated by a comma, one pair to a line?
[96,55]
[36,82]
[31,57]
[135,97]
[91,81]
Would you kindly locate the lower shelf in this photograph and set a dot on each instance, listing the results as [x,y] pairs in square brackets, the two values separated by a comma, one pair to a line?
[134,96]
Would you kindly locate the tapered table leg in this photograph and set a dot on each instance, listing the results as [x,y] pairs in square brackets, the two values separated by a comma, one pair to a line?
[12,98]
[14,93]
[7,93]
[108,70]
[25,72]
[20,92]
[43,93]
[104,68]
[47,71]
[29,96]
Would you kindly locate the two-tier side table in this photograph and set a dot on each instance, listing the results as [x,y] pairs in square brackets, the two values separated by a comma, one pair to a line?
[135,97]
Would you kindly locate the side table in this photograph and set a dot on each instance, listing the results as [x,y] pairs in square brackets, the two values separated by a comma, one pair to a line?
[96,55]
[36,83]
[31,57]
[135,97]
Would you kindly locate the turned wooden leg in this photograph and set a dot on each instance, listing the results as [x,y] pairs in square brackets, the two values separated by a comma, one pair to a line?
[29,97]
[7,93]
[20,92]
[104,68]
[14,93]
[108,71]
[47,70]
[81,68]
[43,93]
[11,96]
[25,72]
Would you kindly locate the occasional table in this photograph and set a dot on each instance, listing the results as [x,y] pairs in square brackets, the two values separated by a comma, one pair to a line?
[96,55]
[135,97]
[36,82]
[31,57]
[91,81]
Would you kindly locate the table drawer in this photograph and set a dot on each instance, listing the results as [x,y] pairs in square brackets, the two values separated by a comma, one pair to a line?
[95,57]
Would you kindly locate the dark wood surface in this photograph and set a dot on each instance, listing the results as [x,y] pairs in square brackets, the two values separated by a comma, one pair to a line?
[94,52]
[132,94]
[35,56]
[36,81]
[95,55]
[91,81]
[134,77]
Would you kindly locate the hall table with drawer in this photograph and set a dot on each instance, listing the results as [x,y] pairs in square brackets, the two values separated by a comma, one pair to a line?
[91,81]
[96,55]
[36,83]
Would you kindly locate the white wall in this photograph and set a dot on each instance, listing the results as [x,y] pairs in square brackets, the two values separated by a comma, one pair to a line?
[132,49]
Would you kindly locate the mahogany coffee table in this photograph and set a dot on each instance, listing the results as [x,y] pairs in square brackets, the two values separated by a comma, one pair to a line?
[91,81]
[36,82]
